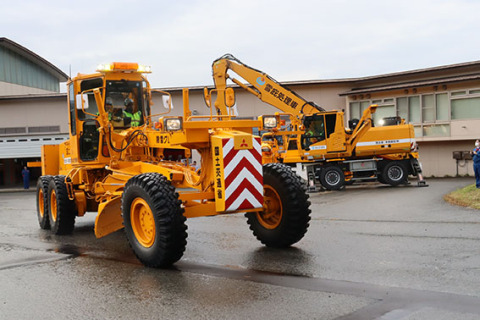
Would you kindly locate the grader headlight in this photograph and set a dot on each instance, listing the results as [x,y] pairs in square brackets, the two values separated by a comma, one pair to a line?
[266,148]
[173,124]
[269,122]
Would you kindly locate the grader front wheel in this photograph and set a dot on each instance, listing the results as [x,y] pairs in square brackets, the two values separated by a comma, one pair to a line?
[143,223]
[271,216]
[153,218]
[286,213]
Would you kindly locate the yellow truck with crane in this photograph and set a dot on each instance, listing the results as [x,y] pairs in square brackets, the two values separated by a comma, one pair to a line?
[332,154]
[123,164]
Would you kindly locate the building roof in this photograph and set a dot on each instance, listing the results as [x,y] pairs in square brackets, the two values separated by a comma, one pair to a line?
[411,84]
[396,80]
[450,67]
[440,75]
[27,54]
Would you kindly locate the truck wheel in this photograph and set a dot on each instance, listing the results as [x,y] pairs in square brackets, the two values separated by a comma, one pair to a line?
[380,178]
[286,213]
[61,210]
[42,202]
[332,178]
[153,218]
[394,173]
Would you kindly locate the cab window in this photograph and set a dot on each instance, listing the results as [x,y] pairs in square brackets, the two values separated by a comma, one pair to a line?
[123,93]
[330,121]
[71,102]
[314,130]
[315,127]
[89,103]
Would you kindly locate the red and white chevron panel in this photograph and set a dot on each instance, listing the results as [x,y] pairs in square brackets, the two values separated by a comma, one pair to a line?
[243,176]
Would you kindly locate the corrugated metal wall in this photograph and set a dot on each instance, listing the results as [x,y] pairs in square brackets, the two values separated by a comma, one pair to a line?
[16,69]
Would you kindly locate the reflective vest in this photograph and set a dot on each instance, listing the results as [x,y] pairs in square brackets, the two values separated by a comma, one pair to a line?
[136,117]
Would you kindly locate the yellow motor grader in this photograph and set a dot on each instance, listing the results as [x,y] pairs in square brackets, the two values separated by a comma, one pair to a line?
[132,168]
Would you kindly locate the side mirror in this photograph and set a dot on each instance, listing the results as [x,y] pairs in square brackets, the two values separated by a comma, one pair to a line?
[167,102]
[80,102]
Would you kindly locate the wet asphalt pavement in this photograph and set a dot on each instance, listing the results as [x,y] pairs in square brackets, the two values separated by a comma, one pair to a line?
[371,252]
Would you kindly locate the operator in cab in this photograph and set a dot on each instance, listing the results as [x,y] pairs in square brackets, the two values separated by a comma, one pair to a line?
[109,107]
[113,113]
[129,112]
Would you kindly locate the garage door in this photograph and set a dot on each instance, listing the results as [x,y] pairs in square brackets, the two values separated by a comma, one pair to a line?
[26,147]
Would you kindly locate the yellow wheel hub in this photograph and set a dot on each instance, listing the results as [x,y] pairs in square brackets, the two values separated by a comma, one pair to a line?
[143,223]
[271,216]
[53,205]
[41,204]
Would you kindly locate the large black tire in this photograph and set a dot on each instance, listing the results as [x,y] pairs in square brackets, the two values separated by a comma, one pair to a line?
[380,178]
[284,220]
[42,202]
[394,173]
[332,178]
[61,210]
[154,221]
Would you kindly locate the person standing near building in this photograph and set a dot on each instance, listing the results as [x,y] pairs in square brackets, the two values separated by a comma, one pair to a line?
[476,163]
[26,177]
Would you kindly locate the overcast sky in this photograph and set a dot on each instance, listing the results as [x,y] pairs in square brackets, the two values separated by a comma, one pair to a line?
[287,39]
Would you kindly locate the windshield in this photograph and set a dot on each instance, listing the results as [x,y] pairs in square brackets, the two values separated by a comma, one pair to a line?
[315,127]
[314,130]
[126,96]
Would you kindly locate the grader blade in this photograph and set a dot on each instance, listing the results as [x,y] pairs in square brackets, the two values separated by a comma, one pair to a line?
[109,218]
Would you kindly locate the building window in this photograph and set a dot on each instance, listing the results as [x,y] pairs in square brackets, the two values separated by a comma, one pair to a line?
[428,108]
[402,107]
[414,109]
[442,106]
[357,108]
[408,108]
[383,111]
[436,130]
[465,108]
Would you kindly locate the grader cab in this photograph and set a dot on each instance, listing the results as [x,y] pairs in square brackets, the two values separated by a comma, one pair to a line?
[134,172]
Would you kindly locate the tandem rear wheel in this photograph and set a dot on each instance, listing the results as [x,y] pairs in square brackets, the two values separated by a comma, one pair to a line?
[55,211]
[42,202]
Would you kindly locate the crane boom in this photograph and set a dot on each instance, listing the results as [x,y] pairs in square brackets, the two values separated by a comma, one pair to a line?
[263,86]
